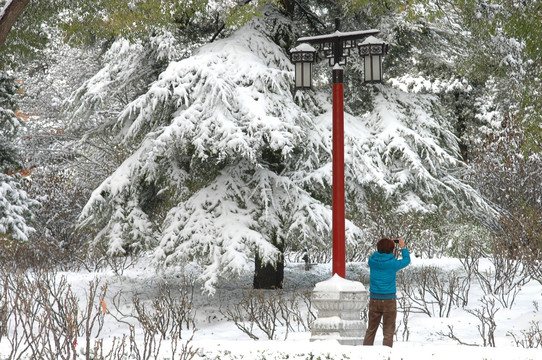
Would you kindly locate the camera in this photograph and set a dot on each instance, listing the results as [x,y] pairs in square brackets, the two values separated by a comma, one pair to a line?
[396,241]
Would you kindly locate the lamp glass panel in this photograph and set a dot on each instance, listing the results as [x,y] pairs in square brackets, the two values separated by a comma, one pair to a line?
[368,71]
[377,73]
[298,75]
[307,75]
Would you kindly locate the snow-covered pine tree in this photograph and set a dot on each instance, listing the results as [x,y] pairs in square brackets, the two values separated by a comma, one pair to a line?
[231,165]
[221,133]
[15,205]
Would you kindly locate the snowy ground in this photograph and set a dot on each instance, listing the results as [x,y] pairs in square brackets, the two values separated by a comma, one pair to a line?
[217,338]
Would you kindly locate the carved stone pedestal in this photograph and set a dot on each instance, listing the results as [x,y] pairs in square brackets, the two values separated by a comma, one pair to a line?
[339,303]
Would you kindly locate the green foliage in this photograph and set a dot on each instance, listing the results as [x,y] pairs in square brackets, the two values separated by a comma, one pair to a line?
[128,19]
[526,25]
[241,14]
[373,8]
[504,47]
[8,156]
[139,19]
[8,88]
[491,45]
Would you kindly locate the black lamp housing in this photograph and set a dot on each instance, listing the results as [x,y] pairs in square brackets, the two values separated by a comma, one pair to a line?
[372,49]
[303,56]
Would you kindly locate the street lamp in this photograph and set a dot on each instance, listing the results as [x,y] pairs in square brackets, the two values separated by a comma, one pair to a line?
[303,56]
[336,47]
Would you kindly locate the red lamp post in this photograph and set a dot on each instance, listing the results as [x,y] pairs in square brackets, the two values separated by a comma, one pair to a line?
[336,47]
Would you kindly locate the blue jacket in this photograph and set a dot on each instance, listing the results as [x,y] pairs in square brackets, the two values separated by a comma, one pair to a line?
[383,269]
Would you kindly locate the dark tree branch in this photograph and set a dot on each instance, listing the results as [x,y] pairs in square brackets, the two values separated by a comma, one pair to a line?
[11,12]
[310,15]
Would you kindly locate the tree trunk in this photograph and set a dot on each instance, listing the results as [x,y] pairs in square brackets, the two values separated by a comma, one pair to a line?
[12,11]
[268,275]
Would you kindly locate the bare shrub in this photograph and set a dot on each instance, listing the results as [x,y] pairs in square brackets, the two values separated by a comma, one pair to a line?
[4,305]
[117,351]
[259,308]
[506,277]
[510,267]
[412,294]
[535,269]
[161,318]
[19,313]
[530,338]
[486,315]
[120,263]
[151,345]
[40,318]
[188,352]
[89,257]
[43,317]
[60,318]
[452,335]
[306,296]
[21,256]
[404,309]
[267,310]
[94,314]
[429,291]
[487,326]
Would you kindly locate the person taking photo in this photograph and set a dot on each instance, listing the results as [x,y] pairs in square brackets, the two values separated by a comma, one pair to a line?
[383,267]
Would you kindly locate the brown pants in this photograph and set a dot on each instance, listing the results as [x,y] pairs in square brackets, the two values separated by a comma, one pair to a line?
[381,309]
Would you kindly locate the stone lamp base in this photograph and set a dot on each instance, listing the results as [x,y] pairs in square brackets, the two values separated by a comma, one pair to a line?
[339,303]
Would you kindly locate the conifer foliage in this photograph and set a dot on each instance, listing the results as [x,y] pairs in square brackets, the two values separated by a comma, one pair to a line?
[231,164]
[15,205]
[209,155]
[218,137]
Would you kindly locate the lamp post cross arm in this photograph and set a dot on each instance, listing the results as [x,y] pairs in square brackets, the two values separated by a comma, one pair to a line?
[337,45]
[338,35]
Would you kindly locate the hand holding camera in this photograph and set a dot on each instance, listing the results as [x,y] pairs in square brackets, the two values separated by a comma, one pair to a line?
[400,242]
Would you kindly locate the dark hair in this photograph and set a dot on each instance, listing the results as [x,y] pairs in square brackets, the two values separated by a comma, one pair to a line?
[385,246]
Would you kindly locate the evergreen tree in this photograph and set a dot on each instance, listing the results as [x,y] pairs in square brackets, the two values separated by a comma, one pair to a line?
[15,205]
[218,161]
[230,165]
